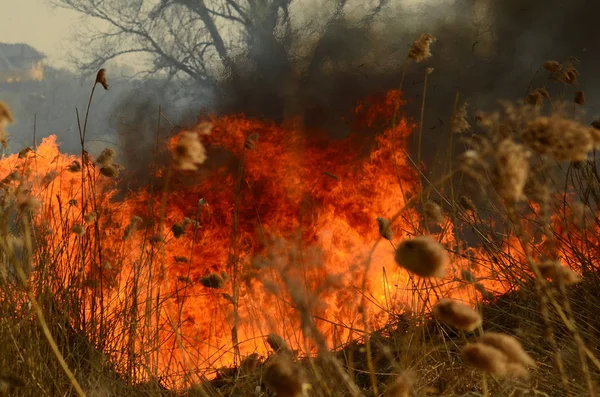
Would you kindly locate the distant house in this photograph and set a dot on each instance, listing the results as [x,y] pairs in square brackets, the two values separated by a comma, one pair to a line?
[20,62]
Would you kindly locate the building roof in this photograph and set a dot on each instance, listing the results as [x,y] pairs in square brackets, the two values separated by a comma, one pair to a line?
[16,56]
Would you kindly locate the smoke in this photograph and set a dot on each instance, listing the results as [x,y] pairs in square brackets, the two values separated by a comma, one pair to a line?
[317,71]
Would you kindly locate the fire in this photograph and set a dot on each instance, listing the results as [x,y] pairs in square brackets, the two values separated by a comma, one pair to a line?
[193,272]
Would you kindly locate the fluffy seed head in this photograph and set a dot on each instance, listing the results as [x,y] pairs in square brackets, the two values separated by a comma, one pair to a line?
[177,230]
[90,217]
[385,229]
[511,170]
[420,49]
[551,66]
[213,280]
[579,98]
[189,151]
[485,358]
[457,315]
[537,96]
[282,378]
[277,343]
[75,166]
[101,78]
[556,272]
[110,171]
[467,204]
[560,138]
[28,203]
[458,122]
[78,229]
[105,157]
[433,212]
[422,256]
[510,346]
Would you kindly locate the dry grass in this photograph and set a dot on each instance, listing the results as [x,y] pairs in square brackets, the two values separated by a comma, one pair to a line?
[539,338]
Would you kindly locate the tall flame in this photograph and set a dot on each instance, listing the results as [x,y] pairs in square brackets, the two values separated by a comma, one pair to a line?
[220,258]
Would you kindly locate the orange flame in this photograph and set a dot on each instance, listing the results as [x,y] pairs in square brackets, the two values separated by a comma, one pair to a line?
[291,224]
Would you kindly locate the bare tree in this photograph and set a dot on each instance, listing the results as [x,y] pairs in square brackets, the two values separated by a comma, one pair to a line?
[253,53]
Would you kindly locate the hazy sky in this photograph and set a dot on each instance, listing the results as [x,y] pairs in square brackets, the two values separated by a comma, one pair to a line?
[36,23]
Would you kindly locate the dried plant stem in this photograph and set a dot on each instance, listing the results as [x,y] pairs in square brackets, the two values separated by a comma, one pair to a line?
[40,315]
[233,260]
[420,137]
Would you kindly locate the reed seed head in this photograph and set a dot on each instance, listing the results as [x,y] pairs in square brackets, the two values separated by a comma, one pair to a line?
[277,343]
[385,228]
[560,138]
[433,212]
[556,272]
[101,78]
[105,157]
[458,122]
[110,171]
[189,152]
[421,48]
[282,378]
[551,66]
[511,170]
[78,229]
[485,358]
[579,98]
[510,346]
[457,315]
[213,280]
[422,256]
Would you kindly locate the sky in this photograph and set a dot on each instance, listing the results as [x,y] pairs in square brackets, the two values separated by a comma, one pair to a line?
[46,28]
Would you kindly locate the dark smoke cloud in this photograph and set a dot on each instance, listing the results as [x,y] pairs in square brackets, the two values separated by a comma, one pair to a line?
[483,56]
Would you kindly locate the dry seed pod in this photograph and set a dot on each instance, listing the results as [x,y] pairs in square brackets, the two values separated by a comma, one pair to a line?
[277,343]
[457,315]
[78,230]
[101,78]
[458,122]
[555,271]
[579,98]
[109,171]
[178,230]
[551,66]
[433,211]
[422,256]
[385,229]
[213,280]
[510,346]
[420,49]
[511,170]
[485,358]
[105,157]
[467,204]
[189,151]
[282,378]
